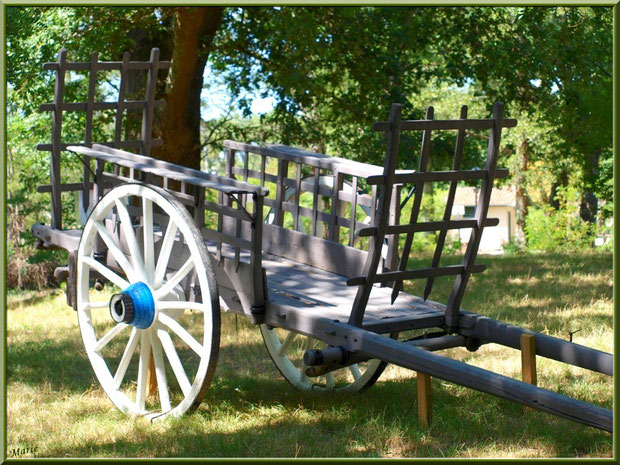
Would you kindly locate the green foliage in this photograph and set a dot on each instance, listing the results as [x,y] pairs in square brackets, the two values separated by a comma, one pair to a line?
[549,230]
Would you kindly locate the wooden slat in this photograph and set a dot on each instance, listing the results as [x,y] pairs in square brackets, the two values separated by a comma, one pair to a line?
[405,323]
[125,144]
[428,226]
[438,125]
[297,197]
[149,98]
[171,170]
[528,358]
[447,213]
[64,187]
[417,202]
[88,130]
[438,176]
[353,211]
[383,212]
[469,259]
[334,230]
[225,238]
[296,155]
[313,251]
[57,139]
[99,106]
[106,65]
[280,189]
[120,107]
[315,198]
[392,276]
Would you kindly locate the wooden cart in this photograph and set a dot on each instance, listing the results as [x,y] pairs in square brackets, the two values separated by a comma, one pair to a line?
[317,265]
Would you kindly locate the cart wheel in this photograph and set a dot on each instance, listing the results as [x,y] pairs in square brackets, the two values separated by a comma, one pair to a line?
[286,349]
[160,298]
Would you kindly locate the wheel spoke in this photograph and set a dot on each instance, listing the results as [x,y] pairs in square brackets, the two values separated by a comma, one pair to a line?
[126,358]
[175,362]
[286,344]
[164,253]
[113,247]
[94,305]
[149,249]
[107,337]
[355,371]
[175,279]
[106,272]
[181,305]
[304,367]
[160,373]
[143,367]
[182,333]
[130,237]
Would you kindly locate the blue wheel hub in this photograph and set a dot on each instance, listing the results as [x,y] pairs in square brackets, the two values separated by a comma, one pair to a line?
[134,306]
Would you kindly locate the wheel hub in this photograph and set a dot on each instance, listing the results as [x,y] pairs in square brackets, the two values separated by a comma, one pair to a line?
[134,306]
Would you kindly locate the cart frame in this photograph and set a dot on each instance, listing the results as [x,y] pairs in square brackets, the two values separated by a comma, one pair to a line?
[240,239]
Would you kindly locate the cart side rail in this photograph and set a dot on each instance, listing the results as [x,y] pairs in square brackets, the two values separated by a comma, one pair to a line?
[318,205]
[386,227]
[220,221]
[92,107]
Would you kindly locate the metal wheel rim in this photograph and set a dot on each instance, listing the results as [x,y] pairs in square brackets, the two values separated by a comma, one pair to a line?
[142,265]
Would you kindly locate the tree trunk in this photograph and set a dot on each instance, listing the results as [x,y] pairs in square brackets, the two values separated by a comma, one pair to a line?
[178,124]
[589,202]
[522,200]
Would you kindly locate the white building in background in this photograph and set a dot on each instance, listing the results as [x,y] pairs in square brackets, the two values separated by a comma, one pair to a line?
[502,206]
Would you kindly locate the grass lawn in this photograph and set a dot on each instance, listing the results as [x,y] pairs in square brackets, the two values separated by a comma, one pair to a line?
[57,409]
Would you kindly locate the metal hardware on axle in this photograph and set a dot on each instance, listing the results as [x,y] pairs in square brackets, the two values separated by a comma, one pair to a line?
[134,306]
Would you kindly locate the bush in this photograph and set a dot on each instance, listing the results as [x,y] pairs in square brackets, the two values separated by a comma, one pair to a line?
[547,229]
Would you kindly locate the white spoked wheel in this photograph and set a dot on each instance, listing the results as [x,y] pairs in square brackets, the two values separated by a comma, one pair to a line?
[287,348]
[159,310]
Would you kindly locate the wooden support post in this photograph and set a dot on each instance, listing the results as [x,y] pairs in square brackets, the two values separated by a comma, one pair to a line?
[425,404]
[151,377]
[528,358]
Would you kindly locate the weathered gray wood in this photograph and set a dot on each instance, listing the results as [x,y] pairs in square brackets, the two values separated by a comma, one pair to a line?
[437,176]
[98,106]
[404,323]
[106,65]
[149,98]
[313,251]
[485,328]
[295,155]
[456,124]
[374,253]
[68,239]
[417,202]
[280,190]
[429,226]
[391,276]
[297,197]
[353,211]
[120,107]
[88,130]
[63,187]
[315,198]
[55,179]
[170,170]
[334,229]
[458,290]
[447,213]
[415,358]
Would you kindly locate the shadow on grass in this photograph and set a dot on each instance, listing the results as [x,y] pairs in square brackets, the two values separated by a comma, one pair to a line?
[372,424]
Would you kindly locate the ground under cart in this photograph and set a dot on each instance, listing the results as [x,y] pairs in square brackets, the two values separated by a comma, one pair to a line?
[285,237]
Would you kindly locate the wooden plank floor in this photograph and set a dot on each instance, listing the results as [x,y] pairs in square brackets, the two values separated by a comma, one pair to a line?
[294,284]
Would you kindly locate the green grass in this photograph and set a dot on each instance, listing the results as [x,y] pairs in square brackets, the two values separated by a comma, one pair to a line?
[57,409]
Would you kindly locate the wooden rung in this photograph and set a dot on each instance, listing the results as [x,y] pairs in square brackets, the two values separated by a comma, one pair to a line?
[446,124]
[528,358]
[124,144]
[392,276]
[437,176]
[429,226]
[106,65]
[425,401]
[98,106]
